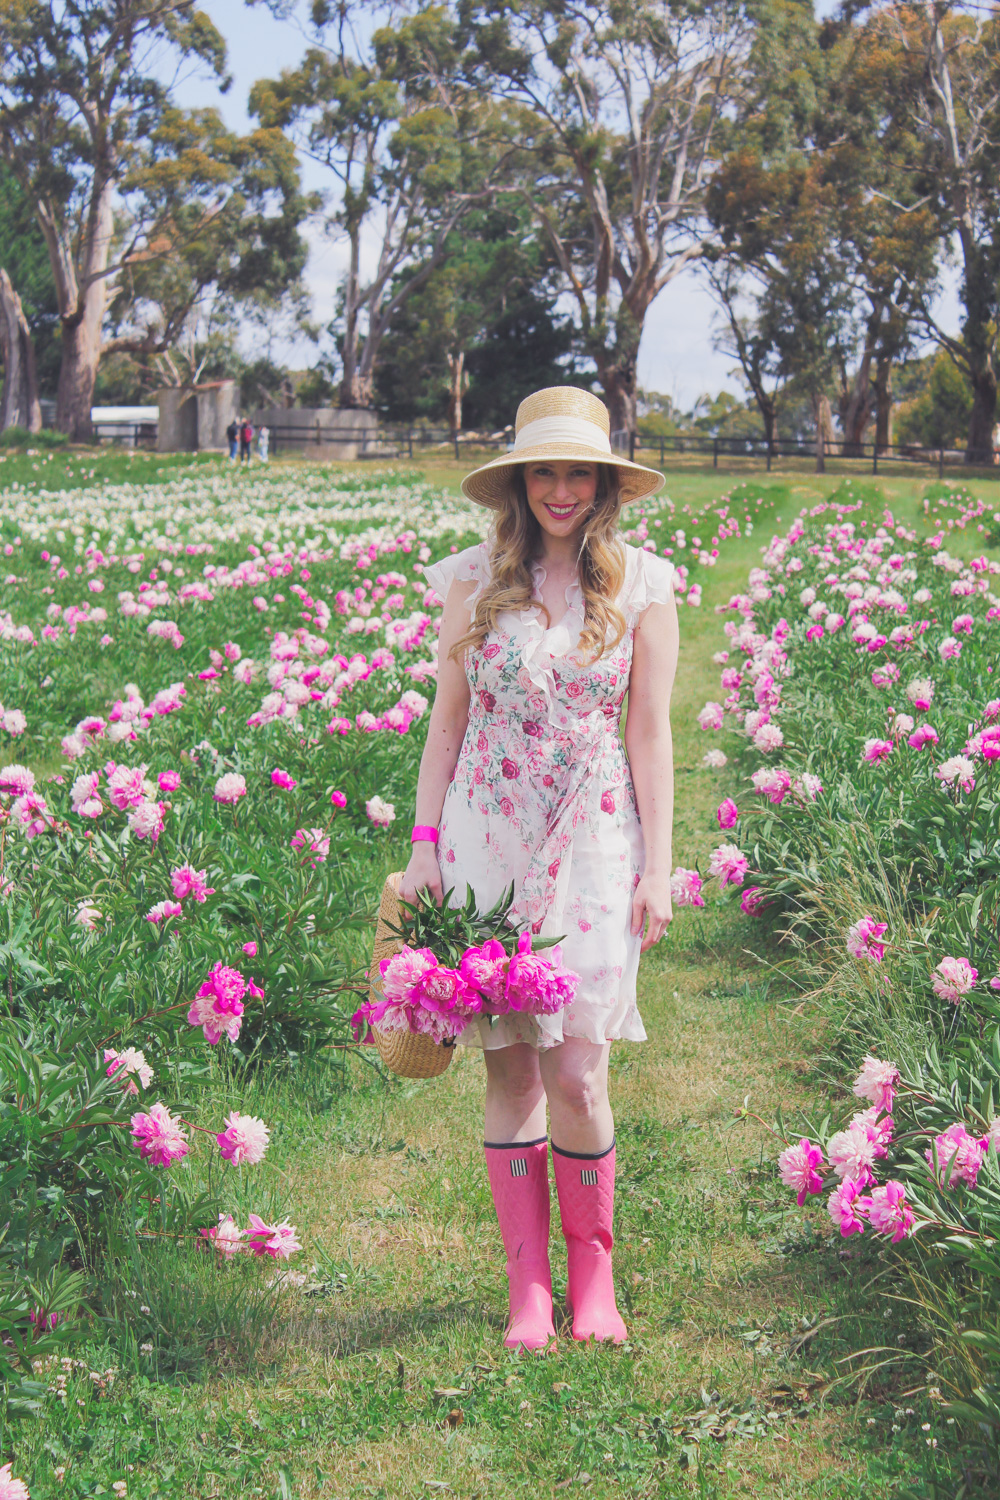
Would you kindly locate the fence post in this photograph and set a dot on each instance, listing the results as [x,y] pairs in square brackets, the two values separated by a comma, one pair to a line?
[457,454]
[409,440]
[874,458]
[317,432]
[940,463]
[715,453]
[661,452]
[769,458]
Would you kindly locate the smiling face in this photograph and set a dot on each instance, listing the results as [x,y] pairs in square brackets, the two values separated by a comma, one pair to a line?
[561,494]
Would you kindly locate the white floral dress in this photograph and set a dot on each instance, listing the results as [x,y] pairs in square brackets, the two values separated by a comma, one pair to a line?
[542,797]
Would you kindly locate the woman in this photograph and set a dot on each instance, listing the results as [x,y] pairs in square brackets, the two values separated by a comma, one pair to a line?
[524,779]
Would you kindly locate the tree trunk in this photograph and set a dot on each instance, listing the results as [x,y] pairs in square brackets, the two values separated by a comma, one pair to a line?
[350,385]
[883,404]
[769,416]
[456,365]
[81,355]
[857,408]
[19,399]
[979,449]
[823,417]
[619,383]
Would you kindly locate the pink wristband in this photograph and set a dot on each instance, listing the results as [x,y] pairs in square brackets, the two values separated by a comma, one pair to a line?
[424,831]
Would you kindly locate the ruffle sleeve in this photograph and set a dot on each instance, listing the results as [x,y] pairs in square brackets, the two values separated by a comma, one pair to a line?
[649,579]
[472,564]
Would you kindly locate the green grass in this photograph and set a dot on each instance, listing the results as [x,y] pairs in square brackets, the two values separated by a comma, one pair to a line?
[383,1374]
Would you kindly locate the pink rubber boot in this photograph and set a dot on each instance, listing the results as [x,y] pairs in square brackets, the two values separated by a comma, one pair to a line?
[519,1180]
[586,1187]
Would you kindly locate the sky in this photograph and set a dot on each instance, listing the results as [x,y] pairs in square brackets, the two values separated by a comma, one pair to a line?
[676,355]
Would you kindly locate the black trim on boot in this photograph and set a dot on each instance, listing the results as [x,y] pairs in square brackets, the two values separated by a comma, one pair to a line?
[585,1155]
[515,1145]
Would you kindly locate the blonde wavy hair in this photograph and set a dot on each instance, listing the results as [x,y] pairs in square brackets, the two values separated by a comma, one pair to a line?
[515,543]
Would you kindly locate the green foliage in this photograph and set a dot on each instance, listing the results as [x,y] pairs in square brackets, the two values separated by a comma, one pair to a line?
[936,409]
[25,258]
[19,437]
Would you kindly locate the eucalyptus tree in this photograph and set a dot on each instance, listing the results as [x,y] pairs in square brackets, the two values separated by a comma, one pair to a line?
[624,104]
[387,115]
[944,89]
[79,95]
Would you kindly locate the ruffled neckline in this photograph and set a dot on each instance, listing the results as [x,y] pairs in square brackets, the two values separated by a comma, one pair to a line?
[546,644]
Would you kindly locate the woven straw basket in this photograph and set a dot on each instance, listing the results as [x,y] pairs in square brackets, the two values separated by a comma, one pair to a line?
[403,1052]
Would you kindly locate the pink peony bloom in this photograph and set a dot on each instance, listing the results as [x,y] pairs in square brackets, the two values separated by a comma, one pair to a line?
[751,899]
[807,787]
[767,738]
[187,881]
[484,969]
[773,783]
[864,939]
[711,716]
[727,813]
[960,769]
[244,1139]
[924,734]
[921,693]
[163,911]
[853,1151]
[685,887]
[537,984]
[230,788]
[845,1204]
[11,1488]
[30,813]
[315,841]
[146,820]
[168,781]
[277,1240]
[953,978]
[18,781]
[338,799]
[84,796]
[87,915]
[958,1156]
[125,787]
[123,1064]
[729,864]
[949,648]
[218,1006]
[800,1167]
[250,948]
[877,1082]
[226,1237]
[281,778]
[889,1211]
[876,750]
[380,812]
[159,1137]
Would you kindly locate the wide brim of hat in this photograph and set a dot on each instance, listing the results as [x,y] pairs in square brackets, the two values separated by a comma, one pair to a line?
[488,484]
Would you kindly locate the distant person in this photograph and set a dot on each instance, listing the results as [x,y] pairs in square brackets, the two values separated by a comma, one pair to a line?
[246,438]
[233,437]
[263,439]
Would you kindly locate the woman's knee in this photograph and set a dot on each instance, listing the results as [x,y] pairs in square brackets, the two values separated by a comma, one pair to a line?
[577,1084]
[513,1071]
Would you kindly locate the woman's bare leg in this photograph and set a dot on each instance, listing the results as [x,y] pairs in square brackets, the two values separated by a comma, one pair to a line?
[575,1077]
[515,1098]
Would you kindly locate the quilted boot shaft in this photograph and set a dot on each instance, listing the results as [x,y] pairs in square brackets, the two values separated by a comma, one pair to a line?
[519,1181]
[586,1187]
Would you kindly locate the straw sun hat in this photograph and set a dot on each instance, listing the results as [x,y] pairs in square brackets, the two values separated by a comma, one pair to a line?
[560,422]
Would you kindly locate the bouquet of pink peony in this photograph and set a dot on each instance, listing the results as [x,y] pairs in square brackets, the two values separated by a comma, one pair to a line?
[456,963]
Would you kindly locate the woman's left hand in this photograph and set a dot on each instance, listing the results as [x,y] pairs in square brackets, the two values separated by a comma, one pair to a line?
[652,908]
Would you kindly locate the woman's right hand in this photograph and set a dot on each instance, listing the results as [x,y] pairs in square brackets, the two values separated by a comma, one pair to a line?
[423,873]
